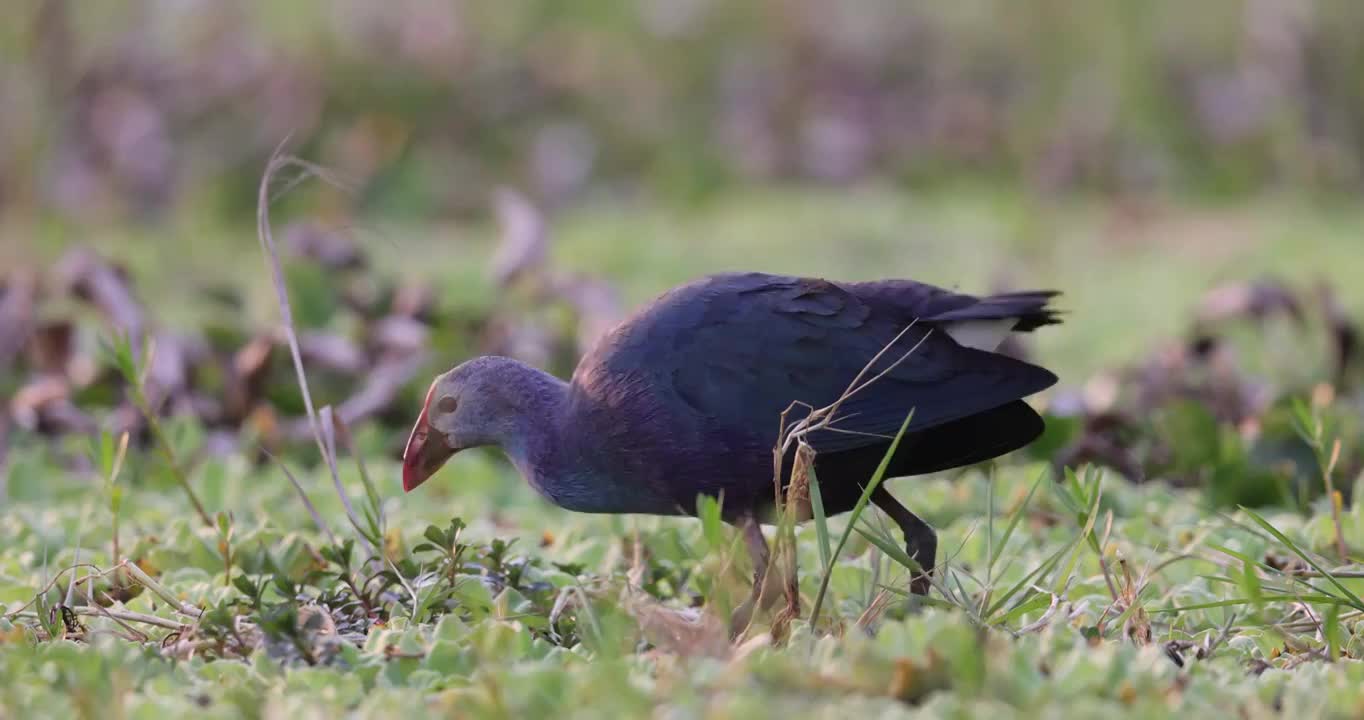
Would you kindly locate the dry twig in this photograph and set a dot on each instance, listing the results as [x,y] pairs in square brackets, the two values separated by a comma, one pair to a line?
[277,162]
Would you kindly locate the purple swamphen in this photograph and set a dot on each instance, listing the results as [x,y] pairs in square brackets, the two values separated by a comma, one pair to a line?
[685,398]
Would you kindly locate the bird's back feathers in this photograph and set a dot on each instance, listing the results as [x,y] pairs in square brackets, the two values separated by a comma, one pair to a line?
[717,361]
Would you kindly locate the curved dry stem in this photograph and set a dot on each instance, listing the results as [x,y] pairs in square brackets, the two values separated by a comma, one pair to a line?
[278,161]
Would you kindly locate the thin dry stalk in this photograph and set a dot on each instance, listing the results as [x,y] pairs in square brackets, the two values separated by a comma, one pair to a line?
[1045,620]
[823,418]
[779,450]
[75,576]
[797,507]
[1222,636]
[22,609]
[1138,626]
[127,616]
[95,610]
[877,607]
[635,577]
[329,449]
[113,478]
[348,440]
[156,587]
[1336,501]
[277,162]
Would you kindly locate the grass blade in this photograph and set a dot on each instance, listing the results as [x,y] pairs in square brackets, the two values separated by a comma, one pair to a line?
[892,549]
[1355,602]
[856,513]
[1027,581]
[821,521]
[1235,602]
[1086,534]
[1264,566]
[1017,517]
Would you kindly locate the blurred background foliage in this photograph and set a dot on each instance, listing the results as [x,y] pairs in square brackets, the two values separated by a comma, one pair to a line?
[1133,154]
[134,109]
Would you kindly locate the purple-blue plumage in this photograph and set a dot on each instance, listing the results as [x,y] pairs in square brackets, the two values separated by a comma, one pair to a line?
[685,397]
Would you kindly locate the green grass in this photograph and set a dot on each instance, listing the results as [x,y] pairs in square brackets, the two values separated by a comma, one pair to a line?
[1057,598]
[486,663]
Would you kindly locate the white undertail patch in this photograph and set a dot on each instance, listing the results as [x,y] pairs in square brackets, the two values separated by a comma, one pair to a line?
[985,335]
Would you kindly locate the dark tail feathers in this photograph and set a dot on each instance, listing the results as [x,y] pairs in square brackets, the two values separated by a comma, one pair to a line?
[1031,307]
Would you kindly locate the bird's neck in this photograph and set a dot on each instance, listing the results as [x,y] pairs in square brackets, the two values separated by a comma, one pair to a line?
[559,457]
[532,438]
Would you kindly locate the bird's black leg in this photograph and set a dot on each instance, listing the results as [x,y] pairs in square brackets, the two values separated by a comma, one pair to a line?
[757,547]
[758,550]
[921,543]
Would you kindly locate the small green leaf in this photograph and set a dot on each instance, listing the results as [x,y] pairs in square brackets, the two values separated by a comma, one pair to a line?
[286,587]
[436,536]
[712,525]
[245,586]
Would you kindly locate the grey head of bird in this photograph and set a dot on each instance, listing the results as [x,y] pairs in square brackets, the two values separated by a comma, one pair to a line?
[486,401]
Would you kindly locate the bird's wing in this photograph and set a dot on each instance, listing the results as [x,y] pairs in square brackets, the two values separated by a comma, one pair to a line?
[740,349]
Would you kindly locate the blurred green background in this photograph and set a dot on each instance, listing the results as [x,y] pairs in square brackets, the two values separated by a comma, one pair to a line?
[1131,154]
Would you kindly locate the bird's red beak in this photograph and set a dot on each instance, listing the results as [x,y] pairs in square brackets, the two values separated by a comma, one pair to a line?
[424,454]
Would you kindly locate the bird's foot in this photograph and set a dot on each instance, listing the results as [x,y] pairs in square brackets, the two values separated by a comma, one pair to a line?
[741,619]
[921,543]
[768,588]
[920,584]
[922,579]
